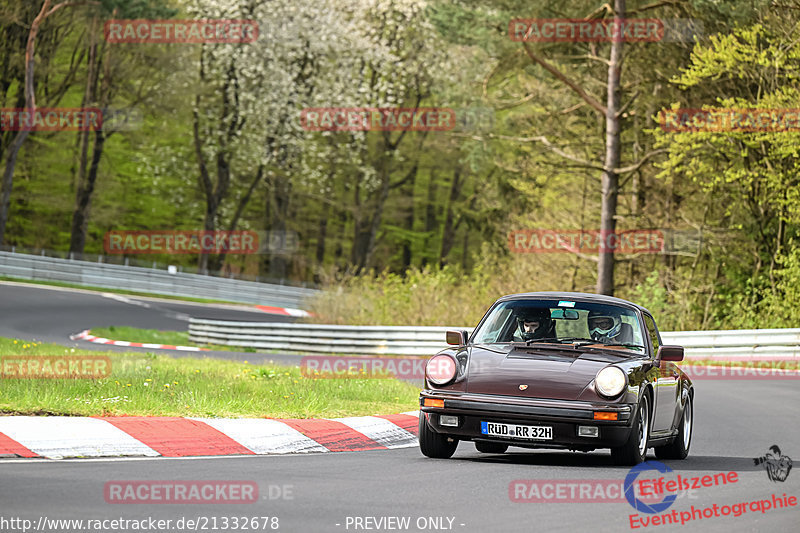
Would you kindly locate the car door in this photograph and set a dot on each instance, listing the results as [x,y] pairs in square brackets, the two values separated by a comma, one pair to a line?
[666,385]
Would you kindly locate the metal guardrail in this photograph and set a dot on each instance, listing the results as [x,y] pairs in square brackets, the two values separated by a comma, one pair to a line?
[41,268]
[406,340]
[320,338]
[737,344]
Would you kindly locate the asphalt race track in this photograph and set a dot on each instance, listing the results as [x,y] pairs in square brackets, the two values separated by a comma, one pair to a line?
[52,314]
[735,421]
[733,425]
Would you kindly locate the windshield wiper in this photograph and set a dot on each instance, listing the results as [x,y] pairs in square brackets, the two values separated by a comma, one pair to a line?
[575,342]
[625,344]
[582,341]
[579,340]
[543,339]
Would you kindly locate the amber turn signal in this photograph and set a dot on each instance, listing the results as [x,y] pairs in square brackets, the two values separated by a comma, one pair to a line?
[599,415]
[430,402]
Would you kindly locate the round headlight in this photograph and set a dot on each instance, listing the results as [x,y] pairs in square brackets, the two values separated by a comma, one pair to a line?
[610,381]
[441,369]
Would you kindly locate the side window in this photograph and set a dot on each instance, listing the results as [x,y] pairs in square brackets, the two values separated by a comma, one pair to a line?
[651,330]
[493,329]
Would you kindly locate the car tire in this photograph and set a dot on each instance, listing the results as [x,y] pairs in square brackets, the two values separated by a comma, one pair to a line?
[634,450]
[679,447]
[433,444]
[490,447]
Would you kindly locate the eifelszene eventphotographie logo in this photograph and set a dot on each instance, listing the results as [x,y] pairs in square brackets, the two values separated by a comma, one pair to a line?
[775,463]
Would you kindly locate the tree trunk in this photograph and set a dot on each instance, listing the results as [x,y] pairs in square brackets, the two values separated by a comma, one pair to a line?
[448,235]
[217,261]
[366,225]
[372,234]
[15,37]
[279,264]
[409,223]
[30,105]
[322,233]
[215,192]
[610,180]
[430,215]
[80,215]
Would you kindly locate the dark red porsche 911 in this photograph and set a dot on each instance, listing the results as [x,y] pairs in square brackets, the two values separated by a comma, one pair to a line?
[559,370]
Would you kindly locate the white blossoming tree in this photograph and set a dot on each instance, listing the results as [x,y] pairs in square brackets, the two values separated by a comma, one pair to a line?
[248,97]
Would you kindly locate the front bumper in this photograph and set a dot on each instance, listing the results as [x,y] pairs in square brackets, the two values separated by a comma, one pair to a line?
[563,416]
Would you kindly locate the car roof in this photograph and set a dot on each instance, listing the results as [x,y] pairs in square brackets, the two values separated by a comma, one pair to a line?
[577,296]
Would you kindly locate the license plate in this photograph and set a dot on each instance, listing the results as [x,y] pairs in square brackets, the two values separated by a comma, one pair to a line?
[513,431]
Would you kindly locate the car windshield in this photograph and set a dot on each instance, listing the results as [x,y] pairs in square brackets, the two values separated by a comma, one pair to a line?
[561,321]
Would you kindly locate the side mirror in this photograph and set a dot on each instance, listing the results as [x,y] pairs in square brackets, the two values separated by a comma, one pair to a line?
[456,338]
[668,352]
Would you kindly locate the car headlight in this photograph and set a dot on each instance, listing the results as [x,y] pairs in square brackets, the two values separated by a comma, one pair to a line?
[441,369]
[610,381]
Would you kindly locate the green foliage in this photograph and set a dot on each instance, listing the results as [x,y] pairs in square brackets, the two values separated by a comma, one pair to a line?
[138,9]
[751,176]
[652,295]
[439,296]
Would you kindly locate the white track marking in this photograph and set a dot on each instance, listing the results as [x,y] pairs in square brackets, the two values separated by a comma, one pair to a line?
[56,437]
[296,312]
[264,436]
[380,430]
[123,299]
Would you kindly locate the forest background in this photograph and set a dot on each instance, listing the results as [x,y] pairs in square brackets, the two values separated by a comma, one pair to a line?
[413,227]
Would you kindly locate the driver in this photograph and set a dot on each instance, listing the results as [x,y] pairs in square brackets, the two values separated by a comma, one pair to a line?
[604,327]
[535,324]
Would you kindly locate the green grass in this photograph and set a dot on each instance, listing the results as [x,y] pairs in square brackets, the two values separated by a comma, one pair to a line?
[155,385]
[119,291]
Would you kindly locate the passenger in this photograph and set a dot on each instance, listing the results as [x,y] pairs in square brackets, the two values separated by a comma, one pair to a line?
[609,329]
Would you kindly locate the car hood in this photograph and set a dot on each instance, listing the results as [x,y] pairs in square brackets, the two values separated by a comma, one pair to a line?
[559,373]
